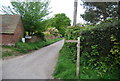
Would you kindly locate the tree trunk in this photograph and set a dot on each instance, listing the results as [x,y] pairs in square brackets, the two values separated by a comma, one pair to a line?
[119,10]
[104,11]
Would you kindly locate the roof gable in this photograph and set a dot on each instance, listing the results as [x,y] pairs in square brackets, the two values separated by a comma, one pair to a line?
[9,23]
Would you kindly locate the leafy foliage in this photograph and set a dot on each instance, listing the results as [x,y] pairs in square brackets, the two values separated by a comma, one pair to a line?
[98,11]
[60,21]
[115,50]
[52,31]
[33,14]
[100,35]
[96,47]
[99,50]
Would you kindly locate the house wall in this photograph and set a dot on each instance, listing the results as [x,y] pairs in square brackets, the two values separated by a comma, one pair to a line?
[7,39]
[19,32]
[11,39]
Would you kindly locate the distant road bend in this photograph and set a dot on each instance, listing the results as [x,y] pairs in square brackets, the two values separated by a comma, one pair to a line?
[36,65]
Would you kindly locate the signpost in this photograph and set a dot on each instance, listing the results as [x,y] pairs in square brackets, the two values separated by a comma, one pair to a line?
[78,55]
[78,58]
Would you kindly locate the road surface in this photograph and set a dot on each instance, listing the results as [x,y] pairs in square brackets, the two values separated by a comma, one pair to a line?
[36,65]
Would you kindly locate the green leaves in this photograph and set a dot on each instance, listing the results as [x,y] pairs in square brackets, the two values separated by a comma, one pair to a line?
[96,42]
[97,12]
[33,14]
[60,21]
[115,50]
[94,46]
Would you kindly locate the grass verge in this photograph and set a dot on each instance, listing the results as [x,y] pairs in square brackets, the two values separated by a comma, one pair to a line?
[65,68]
[23,48]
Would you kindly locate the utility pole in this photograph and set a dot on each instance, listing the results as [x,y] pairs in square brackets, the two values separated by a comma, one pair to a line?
[75,12]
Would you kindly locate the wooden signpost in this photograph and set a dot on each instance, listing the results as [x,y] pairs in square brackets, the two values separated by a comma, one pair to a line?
[78,55]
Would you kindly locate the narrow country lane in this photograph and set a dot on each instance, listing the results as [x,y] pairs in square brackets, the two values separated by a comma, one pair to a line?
[36,65]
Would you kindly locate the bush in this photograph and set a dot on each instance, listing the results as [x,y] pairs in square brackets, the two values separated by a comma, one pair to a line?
[99,54]
[101,36]
[96,46]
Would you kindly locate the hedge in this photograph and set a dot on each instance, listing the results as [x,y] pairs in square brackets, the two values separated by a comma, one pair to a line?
[101,36]
[100,48]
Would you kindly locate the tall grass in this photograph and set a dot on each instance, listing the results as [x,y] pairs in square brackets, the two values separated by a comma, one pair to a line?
[65,68]
[22,48]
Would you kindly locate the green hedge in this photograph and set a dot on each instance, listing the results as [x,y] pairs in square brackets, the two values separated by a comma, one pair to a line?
[101,36]
[100,49]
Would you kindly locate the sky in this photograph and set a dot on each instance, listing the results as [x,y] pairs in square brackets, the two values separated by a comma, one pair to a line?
[60,6]
[67,7]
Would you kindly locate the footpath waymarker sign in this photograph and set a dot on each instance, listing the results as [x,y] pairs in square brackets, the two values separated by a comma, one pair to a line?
[72,41]
[78,58]
[78,55]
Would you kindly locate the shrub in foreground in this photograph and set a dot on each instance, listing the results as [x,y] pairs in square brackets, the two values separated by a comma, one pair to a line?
[100,53]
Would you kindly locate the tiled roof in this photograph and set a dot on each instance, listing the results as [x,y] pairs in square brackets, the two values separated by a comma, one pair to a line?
[9,23]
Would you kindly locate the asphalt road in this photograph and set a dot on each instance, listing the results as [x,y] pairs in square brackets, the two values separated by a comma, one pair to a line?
[36,65]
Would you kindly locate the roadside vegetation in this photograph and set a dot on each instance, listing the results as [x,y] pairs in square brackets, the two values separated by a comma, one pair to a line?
[100,40]
[66,65]
[36,24]
[100,44]
[23,48]
[100,52]
[35,17]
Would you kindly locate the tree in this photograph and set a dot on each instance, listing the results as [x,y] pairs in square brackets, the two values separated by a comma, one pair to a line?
[91,16]
[98,11]
[52,31]
[33,14]
[60,21]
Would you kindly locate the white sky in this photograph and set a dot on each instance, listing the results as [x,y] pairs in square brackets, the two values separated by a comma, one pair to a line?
[60,6]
